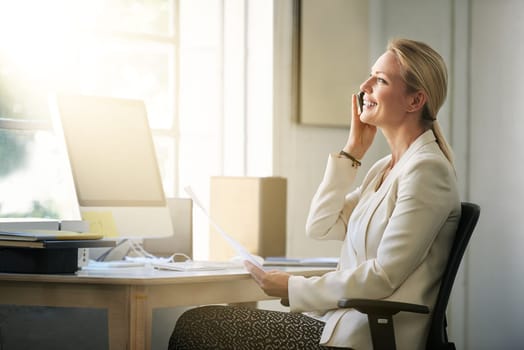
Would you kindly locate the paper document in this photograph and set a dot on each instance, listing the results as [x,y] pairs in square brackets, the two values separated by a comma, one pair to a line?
[191,265]
[239,249]
[314,262]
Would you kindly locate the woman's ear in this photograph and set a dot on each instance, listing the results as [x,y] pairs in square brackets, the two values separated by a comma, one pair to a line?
[416,101]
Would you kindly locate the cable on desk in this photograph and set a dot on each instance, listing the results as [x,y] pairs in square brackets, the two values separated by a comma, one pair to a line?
[140,253]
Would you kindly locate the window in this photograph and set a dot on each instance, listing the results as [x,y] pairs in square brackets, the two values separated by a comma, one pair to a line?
[202,67]
[118,48]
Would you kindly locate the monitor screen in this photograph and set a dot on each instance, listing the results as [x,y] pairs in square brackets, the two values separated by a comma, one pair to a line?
[113,161]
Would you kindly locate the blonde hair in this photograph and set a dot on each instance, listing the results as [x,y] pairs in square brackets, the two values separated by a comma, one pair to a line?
[422,68]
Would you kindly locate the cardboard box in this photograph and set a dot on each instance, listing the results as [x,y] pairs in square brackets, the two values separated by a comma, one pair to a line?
[252,210]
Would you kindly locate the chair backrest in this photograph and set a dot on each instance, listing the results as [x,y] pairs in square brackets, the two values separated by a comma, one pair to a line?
[437,337]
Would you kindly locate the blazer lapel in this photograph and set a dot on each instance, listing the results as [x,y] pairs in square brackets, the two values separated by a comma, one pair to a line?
[378,197]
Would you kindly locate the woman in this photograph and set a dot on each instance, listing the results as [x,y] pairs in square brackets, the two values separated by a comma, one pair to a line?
[397,226]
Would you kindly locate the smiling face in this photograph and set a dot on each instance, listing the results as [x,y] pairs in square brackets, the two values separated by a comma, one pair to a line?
[386,100]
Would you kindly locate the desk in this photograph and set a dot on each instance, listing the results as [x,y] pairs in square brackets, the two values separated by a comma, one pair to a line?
[131,294]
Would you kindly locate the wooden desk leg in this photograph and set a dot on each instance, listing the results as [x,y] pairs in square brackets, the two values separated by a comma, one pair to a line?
[139,318]
[118,323]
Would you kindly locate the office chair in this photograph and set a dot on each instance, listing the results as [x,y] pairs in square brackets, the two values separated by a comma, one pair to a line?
[380,312]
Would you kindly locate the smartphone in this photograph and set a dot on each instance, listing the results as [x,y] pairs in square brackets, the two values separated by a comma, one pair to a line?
[360,100]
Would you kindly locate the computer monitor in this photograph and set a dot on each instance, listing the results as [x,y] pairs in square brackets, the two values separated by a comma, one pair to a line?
[113,161]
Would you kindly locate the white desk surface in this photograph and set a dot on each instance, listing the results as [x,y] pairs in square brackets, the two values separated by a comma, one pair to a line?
[150,276]
[131,294]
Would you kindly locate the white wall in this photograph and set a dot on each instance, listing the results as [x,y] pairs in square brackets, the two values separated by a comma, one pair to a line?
[481,43]
[494,309]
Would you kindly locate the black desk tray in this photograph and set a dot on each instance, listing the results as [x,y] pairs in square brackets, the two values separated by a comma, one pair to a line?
[50,257]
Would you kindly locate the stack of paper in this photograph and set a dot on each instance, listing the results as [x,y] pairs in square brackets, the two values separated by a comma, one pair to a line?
[313,262]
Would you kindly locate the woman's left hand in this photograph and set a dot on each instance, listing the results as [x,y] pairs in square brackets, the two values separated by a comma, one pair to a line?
[274,283]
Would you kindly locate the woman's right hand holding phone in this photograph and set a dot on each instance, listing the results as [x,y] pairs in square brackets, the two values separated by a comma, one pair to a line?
[361,135]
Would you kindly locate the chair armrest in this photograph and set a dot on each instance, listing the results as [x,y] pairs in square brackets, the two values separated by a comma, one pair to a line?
[380,318]
[381,307]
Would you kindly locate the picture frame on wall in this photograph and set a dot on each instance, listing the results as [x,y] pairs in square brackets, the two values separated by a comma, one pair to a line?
[331,59]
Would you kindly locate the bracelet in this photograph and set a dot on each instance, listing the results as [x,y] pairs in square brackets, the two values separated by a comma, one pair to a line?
[356,162]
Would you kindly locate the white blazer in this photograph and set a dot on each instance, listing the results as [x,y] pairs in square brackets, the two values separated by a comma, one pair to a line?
[396,242]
